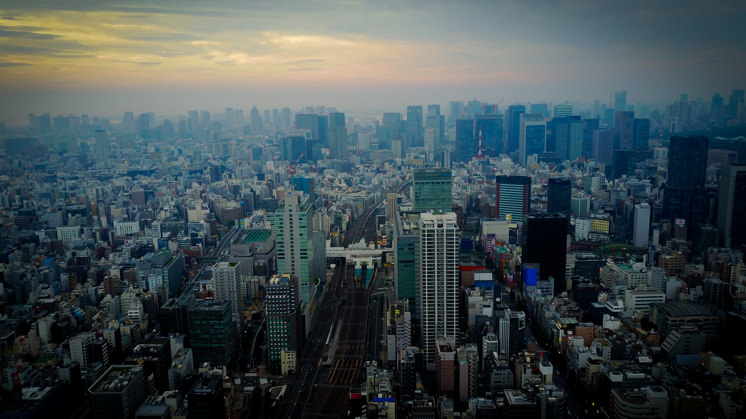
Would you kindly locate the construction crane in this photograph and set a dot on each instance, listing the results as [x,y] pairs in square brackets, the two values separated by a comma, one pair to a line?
[291,167]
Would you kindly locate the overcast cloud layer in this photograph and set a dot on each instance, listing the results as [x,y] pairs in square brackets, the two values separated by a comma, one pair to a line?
[170,56]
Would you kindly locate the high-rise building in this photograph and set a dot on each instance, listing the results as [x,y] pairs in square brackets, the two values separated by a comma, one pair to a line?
[641,229]
[624,125]
[337,136]
[80,347]
[620,100]
[513,197]
[414,131]
[566,137]
[295,249]
[212,333]
[405,245]
[390,130]
[308,122]
[562,110]
[466,146]
[559,192]
[533,136]
[641,134]
[432,190]
[438,280]
[683,195]
[490,127]
[546,244]
[257,124]
[283,319]
[735,99]
[226,281]
[513,127]
[102,148]
[732,206]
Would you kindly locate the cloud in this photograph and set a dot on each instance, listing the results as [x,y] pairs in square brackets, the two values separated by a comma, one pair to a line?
[12,64]
[306,61]
[8,32]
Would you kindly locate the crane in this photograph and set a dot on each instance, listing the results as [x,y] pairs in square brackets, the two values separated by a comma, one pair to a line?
[291,167]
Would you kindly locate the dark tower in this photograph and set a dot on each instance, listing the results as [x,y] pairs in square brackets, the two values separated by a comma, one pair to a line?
[683,195]
[546,244]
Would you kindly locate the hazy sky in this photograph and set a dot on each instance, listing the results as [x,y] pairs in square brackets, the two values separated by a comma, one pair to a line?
[169,56]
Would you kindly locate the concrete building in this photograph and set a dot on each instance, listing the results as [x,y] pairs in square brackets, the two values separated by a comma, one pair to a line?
[226,280]
[118,393]
[438,280]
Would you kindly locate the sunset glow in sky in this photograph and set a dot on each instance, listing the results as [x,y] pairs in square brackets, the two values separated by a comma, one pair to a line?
[167,56]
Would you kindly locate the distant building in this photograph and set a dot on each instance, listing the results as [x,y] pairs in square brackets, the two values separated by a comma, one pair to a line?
[513,197]
[732,206]
[533,136]
[683,195]
[431,190]
[546,244]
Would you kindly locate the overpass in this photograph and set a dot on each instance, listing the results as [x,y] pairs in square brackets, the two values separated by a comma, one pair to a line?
[357,254]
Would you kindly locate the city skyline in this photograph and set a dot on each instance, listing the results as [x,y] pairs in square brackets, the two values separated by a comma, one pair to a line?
[359,56]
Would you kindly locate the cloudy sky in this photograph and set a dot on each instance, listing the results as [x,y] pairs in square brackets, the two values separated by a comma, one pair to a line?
[169,56]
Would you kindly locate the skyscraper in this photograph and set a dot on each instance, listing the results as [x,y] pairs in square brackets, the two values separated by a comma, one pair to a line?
[533,136]
[465,140]
[683,195]
[546,244]
[283,325]
[624,125]
[102,148]
[438,280]
[620,100]
[432,190]
[257,124]
[226,281]
[641,229]
[641,134]
[513,197]
[337,136]
[513,127]
[212,333]
[295,250]
[308,122]
[566,137]
[491,127]
[415,137]
[731,219]
[559,192]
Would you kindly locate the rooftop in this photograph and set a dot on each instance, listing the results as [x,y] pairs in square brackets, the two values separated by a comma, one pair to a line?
[257,236]
[115,379]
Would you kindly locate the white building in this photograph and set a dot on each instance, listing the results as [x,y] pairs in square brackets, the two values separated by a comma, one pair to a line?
[641,230]
[68,233]
[79,348]
[226,280]
[438,280]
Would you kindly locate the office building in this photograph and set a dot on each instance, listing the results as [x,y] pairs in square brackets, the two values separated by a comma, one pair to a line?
[406,243]
[562,110]
[414,133]
[624,127]
[212,333]
[620,100]
[639,403]
[732,206]
[294,149]
[102,149]
[284,330]
[641,230]
[226,281]
[438,280]
[532,136]
[80,346]
[118,392]
[513,197]
[641,135]
[546,244]
[513,127]
[296,248]
[490,128]
[337,136]
[511,330]
[466,142]
[566,137]
[683,194]
[559,192]
[432,190]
